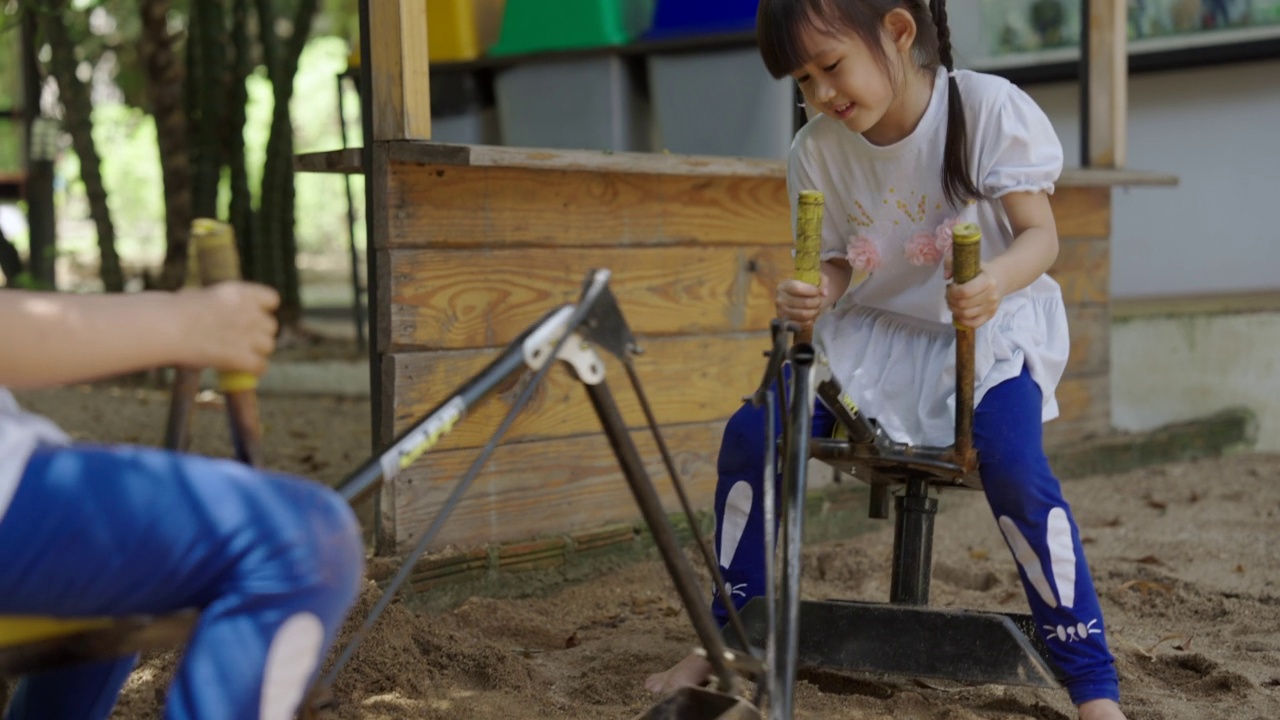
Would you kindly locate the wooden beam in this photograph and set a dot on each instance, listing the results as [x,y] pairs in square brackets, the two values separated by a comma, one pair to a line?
[419,153]
[1107,82]
[400,70]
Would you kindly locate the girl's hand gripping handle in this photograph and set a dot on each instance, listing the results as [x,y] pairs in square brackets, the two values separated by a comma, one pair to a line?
[809,212]
[217,260]
[966,264]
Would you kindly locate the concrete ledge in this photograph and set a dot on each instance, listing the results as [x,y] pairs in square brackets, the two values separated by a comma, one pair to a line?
[1213,436]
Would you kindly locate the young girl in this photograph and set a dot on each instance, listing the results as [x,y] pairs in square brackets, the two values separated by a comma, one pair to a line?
[903,149]
[272,562]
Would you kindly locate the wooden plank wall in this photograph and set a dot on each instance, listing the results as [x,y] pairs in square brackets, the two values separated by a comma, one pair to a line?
[469,256]
[1083,270]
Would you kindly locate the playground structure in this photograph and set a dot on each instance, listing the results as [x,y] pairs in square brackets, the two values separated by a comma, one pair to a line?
[470,244]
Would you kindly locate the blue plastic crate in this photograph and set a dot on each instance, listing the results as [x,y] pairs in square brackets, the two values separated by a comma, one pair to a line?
[674,18]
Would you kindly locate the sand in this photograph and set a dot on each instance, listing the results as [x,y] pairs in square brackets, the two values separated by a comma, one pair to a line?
[1184,555]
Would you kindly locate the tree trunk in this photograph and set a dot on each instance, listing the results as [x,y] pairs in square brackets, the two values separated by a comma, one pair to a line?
[164,85]
[277,210]
[240,211]
[211,97]
[10,264]
[41,221]
[78,121]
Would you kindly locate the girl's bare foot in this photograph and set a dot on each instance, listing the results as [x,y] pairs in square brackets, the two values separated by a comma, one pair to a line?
[692,671]
[1100,710]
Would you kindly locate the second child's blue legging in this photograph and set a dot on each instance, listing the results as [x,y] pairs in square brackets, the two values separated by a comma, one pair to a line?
[1025,498]
[272,562]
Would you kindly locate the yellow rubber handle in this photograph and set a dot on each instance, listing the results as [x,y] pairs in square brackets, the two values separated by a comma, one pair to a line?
[809,211]
[966,255]
[966,246]
[229,382]
[23,629]
[213,245]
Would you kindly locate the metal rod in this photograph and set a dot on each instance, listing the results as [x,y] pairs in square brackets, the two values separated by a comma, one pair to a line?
[708,556]
[663,536]
[372,186]
[506,364]
[357,305]
[177,429]
[967,254]
[771,549]
[368,477]
[246,428]
[794,475]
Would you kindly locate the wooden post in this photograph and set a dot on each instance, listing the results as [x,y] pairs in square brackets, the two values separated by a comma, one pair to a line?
[1106,82]
[400,70]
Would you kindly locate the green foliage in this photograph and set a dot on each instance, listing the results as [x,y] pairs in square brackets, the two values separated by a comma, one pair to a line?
[10,145]
[126,139]
[26,281]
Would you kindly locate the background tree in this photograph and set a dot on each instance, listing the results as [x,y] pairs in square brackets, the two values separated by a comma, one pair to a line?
[164,82]
[217,77]
[77,108]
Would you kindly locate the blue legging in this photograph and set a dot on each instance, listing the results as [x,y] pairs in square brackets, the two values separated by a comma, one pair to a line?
[272,562]
[1024,496]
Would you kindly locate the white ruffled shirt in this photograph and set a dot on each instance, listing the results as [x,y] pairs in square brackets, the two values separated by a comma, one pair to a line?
[889,340]
[20,434]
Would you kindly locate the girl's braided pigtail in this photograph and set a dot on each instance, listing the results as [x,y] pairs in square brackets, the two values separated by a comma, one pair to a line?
[957,181]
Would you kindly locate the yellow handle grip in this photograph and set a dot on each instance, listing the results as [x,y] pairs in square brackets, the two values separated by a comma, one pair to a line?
[809,236]
[16,630]
[966,246]
[213,245]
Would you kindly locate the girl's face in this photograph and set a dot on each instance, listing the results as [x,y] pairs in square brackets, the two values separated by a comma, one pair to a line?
[845,79]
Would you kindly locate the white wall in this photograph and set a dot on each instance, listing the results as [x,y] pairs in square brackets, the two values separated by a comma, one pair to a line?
[1218,129]
[1170,369]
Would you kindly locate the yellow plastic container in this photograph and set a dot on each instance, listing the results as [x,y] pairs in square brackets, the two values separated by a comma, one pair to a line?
[461,30]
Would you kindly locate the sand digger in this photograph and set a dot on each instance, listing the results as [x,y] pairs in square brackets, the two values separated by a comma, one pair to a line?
[571,333]
[754,659]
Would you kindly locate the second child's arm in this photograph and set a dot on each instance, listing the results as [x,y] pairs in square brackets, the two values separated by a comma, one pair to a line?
[53,339]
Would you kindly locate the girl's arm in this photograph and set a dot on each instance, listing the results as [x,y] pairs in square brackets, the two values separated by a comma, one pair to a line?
[52,338]
[1034,249]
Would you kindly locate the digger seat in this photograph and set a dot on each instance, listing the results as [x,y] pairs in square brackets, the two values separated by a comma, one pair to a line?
[33,643]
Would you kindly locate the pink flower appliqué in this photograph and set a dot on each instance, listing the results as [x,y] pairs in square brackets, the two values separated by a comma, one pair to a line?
[863,254]
[943,235]
[922,249]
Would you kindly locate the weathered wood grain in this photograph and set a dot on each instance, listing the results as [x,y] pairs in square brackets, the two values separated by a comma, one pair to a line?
[453,299]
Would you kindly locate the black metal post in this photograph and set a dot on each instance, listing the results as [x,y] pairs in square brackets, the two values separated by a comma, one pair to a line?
[357,302]
[913,544]
[378,434]
[795,464]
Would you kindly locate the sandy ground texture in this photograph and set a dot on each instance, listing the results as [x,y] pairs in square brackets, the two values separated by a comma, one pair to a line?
[1185,557]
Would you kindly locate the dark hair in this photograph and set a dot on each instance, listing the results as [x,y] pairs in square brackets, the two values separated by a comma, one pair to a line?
[779,24]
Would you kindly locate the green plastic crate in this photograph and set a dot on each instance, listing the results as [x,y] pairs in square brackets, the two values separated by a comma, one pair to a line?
[530,26]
